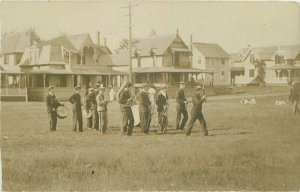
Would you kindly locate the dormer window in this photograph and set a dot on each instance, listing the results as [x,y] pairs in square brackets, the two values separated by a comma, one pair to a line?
[279,59]
[6,59]
[33,56]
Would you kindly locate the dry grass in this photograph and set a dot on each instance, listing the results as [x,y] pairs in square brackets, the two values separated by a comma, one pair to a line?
[253,148]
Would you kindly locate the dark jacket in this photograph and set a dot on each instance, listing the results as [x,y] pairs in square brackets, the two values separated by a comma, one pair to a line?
[144,102]
[197,103]
[75,99]
[161,101]
[51,102]
[124,96]
[90,102]
[180,99]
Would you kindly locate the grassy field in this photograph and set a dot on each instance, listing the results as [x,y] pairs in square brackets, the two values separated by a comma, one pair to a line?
[253,147]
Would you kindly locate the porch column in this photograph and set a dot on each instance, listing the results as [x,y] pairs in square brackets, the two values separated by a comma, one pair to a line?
[19,84]
[26,91]
[148,77]
[44,79]
[290,75]
[109,79]
[163,77]
[6,85]
[212,79]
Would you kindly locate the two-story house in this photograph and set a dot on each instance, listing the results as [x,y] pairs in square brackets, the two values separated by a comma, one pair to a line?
[245,67]
[211,57]
[64,62]
[274,65]
[162,59]
[12,78]
[282,63]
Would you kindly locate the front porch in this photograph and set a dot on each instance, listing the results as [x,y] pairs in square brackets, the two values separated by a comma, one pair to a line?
[172,76]
[282,74]
[13,86]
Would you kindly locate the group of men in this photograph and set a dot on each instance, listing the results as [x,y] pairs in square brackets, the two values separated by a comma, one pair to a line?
[295,96]
[96,103]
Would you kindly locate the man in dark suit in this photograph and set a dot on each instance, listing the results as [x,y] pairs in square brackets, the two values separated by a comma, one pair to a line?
[90,106]
[181,102]
[75,99]
[144,108]
[196,112]
[162,107]
[125,107]
[95,122]
[52,105]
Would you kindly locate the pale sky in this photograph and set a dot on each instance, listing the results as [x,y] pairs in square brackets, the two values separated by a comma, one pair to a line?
[233,25]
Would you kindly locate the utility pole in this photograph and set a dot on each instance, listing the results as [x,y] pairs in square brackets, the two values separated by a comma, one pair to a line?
[130,40]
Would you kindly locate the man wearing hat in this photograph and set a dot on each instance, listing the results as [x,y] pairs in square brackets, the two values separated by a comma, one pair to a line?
[90,106]
[95,123]
[52,105]
[181,102]
[102,110]
[75,99]
[144,108]
[196,113]
[162,108]
[127,116]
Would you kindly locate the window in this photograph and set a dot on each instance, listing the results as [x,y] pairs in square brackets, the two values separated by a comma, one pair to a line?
[78,59]
[279,59]
[177,59]
[251,73]
[63,81]
[6,59]
[18,59]
[222,76]
[252,58]
[223,61]
[212,61]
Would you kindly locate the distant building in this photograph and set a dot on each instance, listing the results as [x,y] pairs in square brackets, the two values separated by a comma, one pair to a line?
[211,57]
[67,61]
[162,59]
[275,65]
[12,78]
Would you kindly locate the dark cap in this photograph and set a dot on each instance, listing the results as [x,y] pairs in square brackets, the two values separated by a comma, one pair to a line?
[97,84]
[50,88]
[129,84]
[77,87]
[91,89]
[164,86]
[198,88]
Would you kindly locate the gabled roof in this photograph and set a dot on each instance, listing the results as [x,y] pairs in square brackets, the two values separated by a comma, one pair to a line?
[268,53]
[211,50]
[74,43]
[14,43]
[160,43]
[120,59]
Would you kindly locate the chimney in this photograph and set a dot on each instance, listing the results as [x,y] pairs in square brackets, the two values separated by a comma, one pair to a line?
[177,31]
[98,38]
[105,41]
[191,49]
[31,38]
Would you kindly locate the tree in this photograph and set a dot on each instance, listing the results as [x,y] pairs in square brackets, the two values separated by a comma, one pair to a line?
[35,36]
[124,44]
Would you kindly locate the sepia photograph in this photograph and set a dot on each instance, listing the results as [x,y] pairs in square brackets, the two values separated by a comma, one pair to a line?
[144,95]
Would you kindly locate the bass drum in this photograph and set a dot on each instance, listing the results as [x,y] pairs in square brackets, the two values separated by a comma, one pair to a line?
[62,112]
[136,115]
[86,113]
